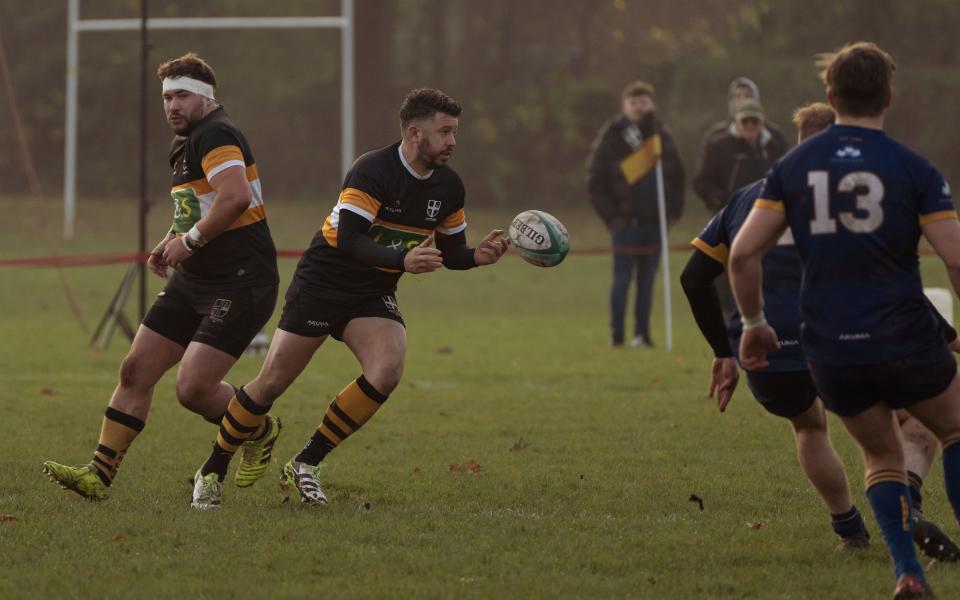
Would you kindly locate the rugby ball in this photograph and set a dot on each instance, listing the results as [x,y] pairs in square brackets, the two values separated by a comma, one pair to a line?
[539,238]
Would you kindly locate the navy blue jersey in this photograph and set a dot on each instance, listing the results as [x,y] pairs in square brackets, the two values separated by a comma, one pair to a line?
[855,200]
[782,275]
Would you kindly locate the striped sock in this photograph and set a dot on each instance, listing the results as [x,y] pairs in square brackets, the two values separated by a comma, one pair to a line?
[849,524]
[916,485]
[352,407]
[243,419]
[890,498]
[116,434]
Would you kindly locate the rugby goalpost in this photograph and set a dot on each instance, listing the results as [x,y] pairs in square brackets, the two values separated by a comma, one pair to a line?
[75,26]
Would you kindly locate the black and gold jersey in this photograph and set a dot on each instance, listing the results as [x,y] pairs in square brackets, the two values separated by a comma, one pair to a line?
[403,209]
[244,254]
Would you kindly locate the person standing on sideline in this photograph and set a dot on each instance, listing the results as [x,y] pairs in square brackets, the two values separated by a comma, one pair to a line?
[739,150]
[222,291]
[857,202]
[622,186]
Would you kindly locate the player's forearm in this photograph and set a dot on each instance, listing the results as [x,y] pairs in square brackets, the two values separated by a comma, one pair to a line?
[227,207]
[746,280]
[457,255]
[352,240]
[697,281]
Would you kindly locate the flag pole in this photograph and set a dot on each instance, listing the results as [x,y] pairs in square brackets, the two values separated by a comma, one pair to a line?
[664,254]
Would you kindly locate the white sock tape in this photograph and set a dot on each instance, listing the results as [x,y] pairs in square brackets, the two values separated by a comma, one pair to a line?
[189,84]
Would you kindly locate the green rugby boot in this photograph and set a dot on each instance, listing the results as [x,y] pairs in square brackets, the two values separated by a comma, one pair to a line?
[255,455]
[84,480]
[303,478]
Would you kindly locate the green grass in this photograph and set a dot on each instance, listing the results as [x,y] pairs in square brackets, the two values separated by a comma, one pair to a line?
[593,503]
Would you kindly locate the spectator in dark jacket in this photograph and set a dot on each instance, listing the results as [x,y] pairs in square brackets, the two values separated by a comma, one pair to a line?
[738,151]
[622,183]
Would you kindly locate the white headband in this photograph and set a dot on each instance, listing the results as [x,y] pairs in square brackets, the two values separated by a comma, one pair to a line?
[189,84]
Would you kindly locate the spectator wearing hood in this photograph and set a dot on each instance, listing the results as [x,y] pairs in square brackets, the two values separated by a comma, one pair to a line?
[738,151]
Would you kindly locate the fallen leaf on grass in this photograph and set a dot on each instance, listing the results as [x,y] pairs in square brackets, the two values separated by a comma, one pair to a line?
[755,525]
[120,537]
[697,499]
[46,392]
[652,580]
[519,445]
[7,518]
[444,350]
[471,466]
[417,472]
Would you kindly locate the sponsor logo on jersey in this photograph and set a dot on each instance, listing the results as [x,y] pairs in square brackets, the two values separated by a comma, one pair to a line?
[848,152]
[433,209]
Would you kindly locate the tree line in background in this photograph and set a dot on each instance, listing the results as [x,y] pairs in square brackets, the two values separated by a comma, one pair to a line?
[536,78]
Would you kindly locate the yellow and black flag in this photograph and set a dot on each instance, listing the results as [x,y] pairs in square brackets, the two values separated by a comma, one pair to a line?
[645,140]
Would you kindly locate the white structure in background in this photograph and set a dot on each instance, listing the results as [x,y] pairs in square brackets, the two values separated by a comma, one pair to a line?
[75,25]
[942,299]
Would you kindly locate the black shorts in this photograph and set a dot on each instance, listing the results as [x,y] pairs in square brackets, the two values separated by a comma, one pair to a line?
[785,394]
[226,319]
[314,313]
[849,390]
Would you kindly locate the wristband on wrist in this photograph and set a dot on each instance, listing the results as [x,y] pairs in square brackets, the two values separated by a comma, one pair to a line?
[753,322]
[196,238]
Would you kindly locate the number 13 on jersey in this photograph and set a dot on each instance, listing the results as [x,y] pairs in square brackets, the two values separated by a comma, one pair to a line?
[870,195]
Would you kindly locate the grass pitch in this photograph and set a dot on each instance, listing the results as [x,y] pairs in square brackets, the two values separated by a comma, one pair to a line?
[520,456]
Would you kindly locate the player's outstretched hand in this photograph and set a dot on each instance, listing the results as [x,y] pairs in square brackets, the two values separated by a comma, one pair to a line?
[424,258]
[490,249]
[724,375]
[754,345]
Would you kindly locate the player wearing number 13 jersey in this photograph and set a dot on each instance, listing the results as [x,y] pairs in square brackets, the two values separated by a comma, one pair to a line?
[395,205]
[857,203]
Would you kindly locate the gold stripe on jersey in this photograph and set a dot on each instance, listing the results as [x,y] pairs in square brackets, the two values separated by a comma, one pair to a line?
[940,215]
[408,228]
[361,200]
[776,205]
[216,157]
[252,215]
[453,221]
[719,253]
[199,187]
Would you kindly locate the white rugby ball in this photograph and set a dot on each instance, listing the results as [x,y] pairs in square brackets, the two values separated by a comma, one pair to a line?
[539,238]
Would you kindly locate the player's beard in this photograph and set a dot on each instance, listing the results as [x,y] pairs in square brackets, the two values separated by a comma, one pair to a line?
[433,159]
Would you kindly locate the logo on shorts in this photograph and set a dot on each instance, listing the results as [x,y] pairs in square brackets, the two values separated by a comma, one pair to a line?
[221,306]
[391,304]
[315,323]
[433,209]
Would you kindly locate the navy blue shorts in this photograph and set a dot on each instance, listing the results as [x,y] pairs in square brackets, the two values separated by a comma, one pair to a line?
[785,394]
[848,390]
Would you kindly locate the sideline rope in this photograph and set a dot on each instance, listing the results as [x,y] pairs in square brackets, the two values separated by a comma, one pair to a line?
[35,191]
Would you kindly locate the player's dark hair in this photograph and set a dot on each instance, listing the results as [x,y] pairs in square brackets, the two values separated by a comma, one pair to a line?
[813,118]
[638,88]
[860,77]
[424,103]
[189,65]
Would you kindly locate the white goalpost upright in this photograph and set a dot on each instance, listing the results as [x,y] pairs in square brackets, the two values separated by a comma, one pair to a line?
[75,26]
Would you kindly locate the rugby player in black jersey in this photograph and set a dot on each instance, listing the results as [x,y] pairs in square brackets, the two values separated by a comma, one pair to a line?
[222,291]
[400,210]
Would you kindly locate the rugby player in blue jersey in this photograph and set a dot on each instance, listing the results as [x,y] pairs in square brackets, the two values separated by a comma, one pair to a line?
[856,203]
[785,388]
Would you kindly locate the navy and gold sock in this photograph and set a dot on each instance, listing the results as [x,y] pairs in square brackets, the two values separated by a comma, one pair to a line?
[116,434]
[890,498]
[849,524]
[916,496]
[243,419]
[352,407]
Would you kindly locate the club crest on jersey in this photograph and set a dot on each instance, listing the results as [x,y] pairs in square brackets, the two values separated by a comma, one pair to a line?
[945,190]
[848,152]
[433,209]
[221,306]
